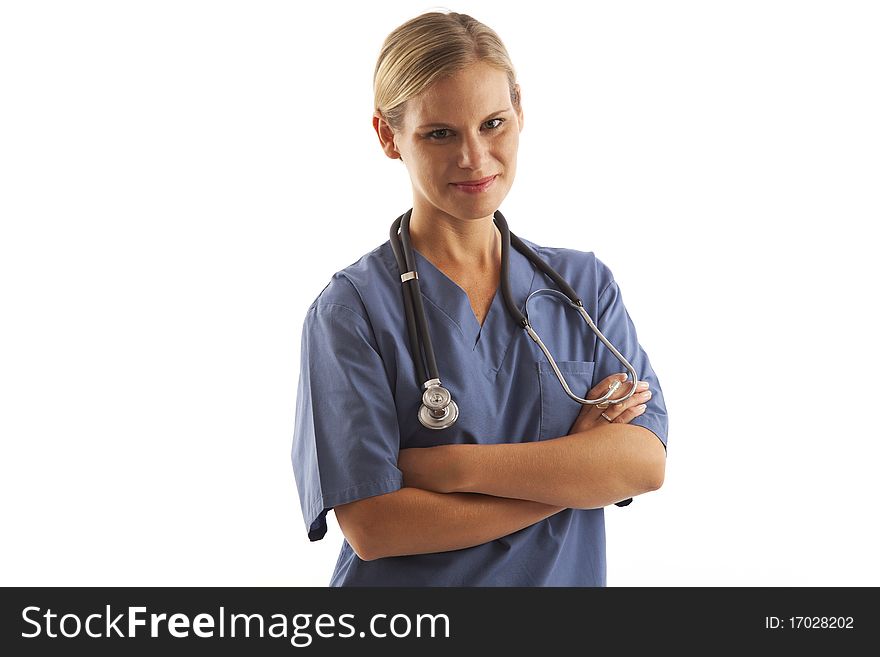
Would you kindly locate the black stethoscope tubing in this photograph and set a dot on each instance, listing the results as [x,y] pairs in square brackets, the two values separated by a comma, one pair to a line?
[412,299]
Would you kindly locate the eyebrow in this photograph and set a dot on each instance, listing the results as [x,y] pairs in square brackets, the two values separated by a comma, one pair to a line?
[446,125]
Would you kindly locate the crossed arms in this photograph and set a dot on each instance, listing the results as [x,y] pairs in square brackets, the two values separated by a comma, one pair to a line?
[458,496]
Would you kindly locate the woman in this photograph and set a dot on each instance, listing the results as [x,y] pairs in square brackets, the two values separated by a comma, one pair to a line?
[512,493]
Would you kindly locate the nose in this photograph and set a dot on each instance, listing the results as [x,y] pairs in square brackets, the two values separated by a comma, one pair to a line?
[472,153]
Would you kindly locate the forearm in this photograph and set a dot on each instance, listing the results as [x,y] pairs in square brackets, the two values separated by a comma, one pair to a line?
[583,470]
[416,521]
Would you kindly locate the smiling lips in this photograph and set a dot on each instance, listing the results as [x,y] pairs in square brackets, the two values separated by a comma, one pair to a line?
[475,186]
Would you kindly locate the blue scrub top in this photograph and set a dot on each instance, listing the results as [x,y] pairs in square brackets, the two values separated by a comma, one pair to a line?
[358,400]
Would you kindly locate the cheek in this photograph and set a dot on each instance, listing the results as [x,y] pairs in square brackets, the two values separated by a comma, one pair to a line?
[425,170]
[430,167]
[510,145]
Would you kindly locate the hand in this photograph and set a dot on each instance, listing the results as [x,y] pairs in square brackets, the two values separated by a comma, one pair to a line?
[590,417]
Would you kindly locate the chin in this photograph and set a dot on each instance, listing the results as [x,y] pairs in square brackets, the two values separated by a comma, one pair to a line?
[478,207]
[474,212]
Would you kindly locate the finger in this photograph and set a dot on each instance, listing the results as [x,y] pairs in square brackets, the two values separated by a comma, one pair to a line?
[626,386]
[616,410]
[629,414]
[601,388]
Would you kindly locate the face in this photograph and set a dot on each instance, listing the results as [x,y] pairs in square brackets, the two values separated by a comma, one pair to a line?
[459,130]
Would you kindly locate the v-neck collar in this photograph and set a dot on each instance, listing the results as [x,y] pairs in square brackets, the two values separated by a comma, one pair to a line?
[491,341]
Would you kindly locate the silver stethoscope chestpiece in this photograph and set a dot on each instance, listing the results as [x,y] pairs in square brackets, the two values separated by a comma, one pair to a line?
[438,411]
[436,398]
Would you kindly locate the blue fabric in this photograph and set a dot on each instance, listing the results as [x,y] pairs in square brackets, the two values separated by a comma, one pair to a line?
[358,400]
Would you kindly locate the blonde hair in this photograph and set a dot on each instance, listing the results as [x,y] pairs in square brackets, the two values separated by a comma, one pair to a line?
[430,46]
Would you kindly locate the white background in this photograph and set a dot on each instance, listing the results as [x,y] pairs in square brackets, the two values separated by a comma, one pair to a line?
[179,180]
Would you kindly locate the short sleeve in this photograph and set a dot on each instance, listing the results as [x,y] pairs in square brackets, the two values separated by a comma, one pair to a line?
[346,437]
[615,324]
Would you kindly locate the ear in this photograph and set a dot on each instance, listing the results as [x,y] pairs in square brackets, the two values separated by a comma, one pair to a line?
[519,112]
[386,136]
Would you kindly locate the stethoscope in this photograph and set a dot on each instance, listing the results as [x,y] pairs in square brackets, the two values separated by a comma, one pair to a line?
[438,410]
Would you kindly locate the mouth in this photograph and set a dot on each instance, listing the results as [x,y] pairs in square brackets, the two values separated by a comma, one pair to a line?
[475,186]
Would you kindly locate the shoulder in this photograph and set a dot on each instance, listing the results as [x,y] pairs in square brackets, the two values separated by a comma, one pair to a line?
[582,269]
[350,287]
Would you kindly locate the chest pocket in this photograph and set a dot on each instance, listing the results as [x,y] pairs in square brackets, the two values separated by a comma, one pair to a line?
[558,410]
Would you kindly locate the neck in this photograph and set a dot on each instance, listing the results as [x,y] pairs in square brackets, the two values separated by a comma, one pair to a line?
[473,244]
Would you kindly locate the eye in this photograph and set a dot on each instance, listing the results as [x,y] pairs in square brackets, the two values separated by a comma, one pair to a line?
[493,127]
[442,133]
